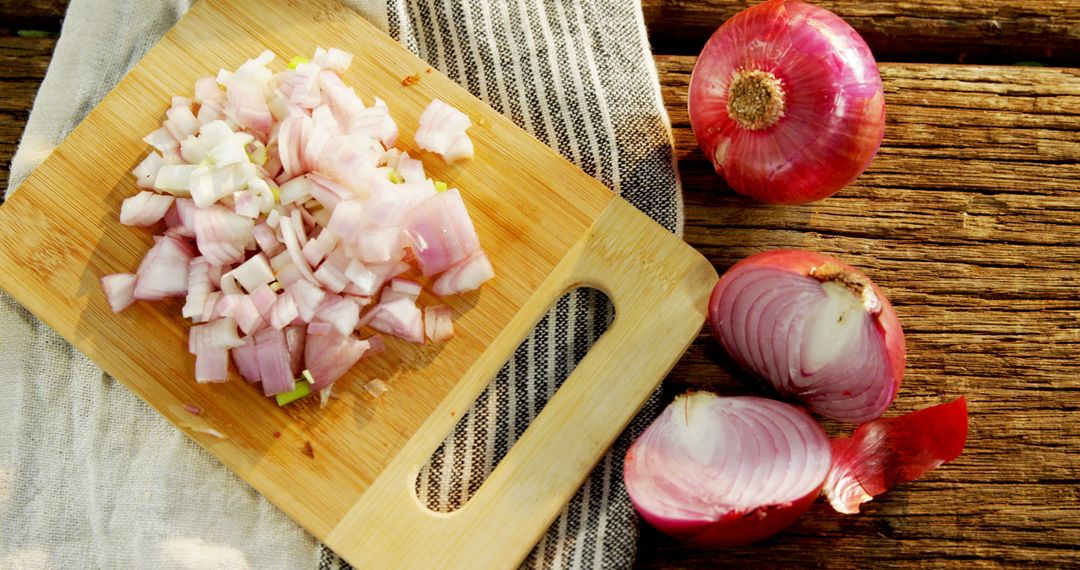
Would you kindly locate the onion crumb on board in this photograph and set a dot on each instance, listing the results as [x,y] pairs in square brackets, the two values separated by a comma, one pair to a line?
[410,80]
[308,450]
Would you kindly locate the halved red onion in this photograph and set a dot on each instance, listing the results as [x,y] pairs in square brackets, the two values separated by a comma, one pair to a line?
[887,451]
[715,471]
[817,329]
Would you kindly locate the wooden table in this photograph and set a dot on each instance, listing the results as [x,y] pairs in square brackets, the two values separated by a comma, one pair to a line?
[969,219]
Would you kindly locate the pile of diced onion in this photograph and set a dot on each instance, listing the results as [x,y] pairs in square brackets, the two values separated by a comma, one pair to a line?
[287,220]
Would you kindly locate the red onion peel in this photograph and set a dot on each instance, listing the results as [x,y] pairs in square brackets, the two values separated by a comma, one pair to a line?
[787,103]
[816,329]
[888,451]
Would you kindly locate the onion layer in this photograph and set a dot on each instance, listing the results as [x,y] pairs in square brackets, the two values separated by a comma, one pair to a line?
[716,471]
[888,451]
[787,103]
[817,329]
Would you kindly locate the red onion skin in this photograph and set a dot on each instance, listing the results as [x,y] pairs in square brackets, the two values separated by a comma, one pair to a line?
[815,148]
[802,262]
[735,529]
[889,451]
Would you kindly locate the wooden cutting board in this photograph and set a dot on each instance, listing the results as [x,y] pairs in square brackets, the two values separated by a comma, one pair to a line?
[347,472]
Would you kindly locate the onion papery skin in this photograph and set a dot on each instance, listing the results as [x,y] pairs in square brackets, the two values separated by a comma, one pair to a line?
[888,451]
[769,311]
[828,117]
[726,471]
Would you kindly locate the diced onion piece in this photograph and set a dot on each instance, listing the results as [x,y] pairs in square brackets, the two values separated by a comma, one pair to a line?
[174,178]
[144,208]
[254,272]
[376,388]
[264,298]
[400,318]
[307,297]
[465,276]
[267,240]
[180,217]
[246,361]
[441,232]
[329,356]
[212,366]
[284,311]
[163,272]
[438,325]
[221,235]
[199,288]
[295,339]
[147,170]
[341,312]
[442,128]
[218,334]
[272,354]
[295,190]
[119,290]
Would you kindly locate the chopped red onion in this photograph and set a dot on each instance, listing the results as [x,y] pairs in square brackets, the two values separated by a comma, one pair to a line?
[284,216]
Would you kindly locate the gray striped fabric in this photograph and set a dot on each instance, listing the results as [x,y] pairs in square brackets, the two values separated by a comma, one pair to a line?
[91,476]
[579,76]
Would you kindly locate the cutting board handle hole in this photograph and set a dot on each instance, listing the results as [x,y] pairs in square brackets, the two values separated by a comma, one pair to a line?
[487,431]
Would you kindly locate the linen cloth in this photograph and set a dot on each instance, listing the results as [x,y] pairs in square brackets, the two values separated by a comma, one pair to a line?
[90,476]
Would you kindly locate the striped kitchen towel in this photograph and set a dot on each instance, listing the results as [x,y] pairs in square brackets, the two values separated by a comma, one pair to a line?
[95,478]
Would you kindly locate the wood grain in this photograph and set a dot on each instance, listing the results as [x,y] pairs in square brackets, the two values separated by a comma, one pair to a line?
[990,31]
[546,225]
[22,68]
[37,15]
[967,219]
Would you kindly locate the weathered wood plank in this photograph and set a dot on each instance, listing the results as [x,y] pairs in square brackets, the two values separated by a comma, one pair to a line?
[44,15]
[993,31]
[23,62]
[968,220]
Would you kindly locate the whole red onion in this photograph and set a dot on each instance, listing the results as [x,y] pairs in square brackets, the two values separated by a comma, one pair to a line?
[786,101]
[715,471]
[817,329]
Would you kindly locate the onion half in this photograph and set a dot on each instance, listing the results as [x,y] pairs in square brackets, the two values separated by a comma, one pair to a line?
[715,471]
[787,103]
[816,329]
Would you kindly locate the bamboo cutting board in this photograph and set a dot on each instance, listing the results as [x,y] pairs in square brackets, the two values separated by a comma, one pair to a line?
[347,472]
